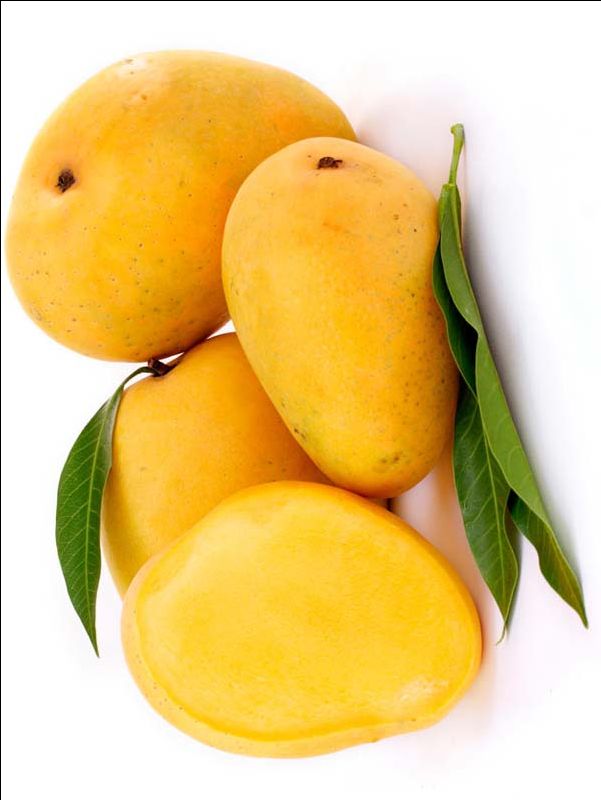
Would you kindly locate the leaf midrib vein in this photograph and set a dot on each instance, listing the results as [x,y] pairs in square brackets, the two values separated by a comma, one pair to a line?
[88,511]
[496,512]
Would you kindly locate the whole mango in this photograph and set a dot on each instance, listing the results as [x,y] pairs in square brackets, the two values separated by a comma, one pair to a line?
[115,231]
[182,443]
[327,268]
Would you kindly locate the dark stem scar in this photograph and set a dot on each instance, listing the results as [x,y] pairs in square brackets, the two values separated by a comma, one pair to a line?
[159,367]
[327,162]
[66,179]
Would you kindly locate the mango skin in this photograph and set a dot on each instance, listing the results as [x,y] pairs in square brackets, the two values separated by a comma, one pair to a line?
[296,619]
[328,278]
[184,442]
[124,264]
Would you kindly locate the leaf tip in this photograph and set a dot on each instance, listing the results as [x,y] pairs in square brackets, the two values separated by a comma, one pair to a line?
[506,615]
[579,606]
[93,640]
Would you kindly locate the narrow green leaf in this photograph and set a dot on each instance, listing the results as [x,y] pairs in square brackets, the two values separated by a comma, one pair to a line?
[462,337]
[451,248]
[502,433]
[553,563]
[78,506]
[483,492]
[498,423]
[498,426]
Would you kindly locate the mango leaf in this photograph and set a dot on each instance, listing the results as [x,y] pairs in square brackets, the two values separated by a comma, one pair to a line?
[498,423]
[462,337]
[451,249]
[552,562]
[502,434]
[499,429]
[482,492]
[79,500]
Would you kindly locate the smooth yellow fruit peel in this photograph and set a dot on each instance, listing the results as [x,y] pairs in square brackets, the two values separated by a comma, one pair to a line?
[122,261]
[327,273]
[184,442]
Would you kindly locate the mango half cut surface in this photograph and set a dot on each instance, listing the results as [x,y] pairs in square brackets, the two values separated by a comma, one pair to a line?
[296,619]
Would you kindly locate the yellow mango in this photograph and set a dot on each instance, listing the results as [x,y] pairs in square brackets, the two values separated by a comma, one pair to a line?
[184,442]
[296,619]
[115,231]
[327,269]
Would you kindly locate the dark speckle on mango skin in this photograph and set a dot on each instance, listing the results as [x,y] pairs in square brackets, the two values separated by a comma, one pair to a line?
[300,433]
[387,463]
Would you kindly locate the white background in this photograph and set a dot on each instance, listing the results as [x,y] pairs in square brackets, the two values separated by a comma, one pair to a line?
[524,78]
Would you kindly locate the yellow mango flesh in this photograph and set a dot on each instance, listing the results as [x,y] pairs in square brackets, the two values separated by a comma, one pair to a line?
[296,619]
[182,443]
[328,277]
[124,262]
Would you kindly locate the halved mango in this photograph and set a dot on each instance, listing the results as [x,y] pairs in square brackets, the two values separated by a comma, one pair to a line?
[296,619]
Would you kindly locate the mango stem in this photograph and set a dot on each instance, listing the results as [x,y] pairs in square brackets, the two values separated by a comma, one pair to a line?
[159,367]
[459,139]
